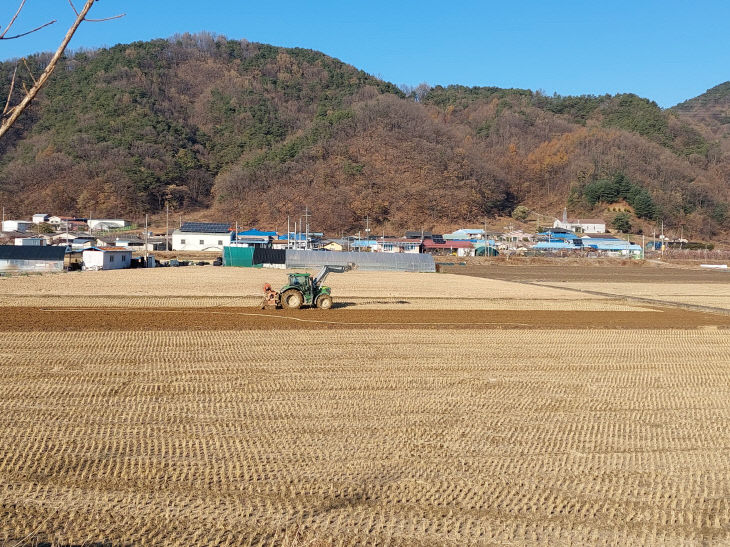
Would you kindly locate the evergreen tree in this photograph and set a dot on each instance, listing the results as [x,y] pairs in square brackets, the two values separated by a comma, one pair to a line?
[622,223]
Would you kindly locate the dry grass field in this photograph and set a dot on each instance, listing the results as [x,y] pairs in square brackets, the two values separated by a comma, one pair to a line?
[549,420]
[351,436]
[216,286]
[711,295]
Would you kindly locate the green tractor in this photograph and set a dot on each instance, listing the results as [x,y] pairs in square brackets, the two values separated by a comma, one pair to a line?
[303,290]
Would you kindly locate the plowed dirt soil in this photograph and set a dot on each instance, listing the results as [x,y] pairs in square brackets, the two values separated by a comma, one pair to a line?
[143,319]
[598,273]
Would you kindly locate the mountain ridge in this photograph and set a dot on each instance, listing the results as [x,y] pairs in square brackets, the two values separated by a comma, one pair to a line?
[254,132]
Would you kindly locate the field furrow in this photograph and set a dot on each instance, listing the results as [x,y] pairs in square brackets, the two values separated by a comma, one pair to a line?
[404,436]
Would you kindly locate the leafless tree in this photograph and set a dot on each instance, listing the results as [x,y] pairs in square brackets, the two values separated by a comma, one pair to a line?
[11,113]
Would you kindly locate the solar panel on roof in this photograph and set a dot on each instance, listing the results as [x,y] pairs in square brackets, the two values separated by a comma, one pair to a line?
[205,227]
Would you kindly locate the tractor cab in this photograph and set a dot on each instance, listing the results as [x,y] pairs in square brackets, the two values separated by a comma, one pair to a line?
[300,280]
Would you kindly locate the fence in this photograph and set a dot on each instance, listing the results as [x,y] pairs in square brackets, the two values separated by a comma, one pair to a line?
[404,262]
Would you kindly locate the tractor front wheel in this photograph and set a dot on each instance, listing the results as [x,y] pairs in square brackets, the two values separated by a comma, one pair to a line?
[324,301]
[292,299]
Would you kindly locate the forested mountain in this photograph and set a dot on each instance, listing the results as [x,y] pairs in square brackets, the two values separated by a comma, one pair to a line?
[710,112]
[233,130]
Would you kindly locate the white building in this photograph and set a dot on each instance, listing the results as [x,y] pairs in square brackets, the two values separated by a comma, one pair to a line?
[30,241]
[201,236]
[39,218]
[582,225]
[466,233]
[18,258]
[106,258]
[403,245]
[16,225]
[106,223]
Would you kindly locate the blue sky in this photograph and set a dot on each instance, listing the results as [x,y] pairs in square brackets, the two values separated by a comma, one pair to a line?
[667,51]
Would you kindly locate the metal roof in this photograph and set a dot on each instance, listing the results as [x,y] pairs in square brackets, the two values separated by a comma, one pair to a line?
[110,249]
[206,227]
[436,244]
[21,252]
[256,233]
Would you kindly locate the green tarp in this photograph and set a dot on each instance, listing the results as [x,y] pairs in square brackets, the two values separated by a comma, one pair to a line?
[479,251]
[238,256]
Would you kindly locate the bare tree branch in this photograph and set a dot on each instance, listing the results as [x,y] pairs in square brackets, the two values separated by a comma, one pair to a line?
[10,24]
[33,91]
[10,93]
[3,37]
[105,18]
[29,71]
[95,20]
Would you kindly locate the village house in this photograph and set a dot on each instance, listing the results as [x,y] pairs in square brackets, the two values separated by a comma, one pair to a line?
[67,223]
[400,245]
[30,241]
[201,236]
[137,243]
[17,225]
[466,234]
[106,258]
[581,225]
[439,246]
[255,238]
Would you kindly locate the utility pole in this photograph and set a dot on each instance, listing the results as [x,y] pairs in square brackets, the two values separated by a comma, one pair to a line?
[167,226]
[484,237]
[146,233]
[643,246]
[306,227]
[662,238]
[367,229]
[681,236]
[288,231]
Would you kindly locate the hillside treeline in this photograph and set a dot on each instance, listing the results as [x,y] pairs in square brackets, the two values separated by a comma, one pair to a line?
[234,130]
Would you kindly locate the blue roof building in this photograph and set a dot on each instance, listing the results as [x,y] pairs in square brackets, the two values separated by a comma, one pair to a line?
[256,233]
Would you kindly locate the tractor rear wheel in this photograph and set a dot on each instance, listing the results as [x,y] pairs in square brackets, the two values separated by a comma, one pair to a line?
[292,299]
[324,301]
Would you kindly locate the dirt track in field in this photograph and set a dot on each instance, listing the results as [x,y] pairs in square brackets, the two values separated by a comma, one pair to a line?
[186,319]
[584,272]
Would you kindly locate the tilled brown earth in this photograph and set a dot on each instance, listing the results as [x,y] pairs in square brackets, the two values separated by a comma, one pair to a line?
[245,318]
[585,272]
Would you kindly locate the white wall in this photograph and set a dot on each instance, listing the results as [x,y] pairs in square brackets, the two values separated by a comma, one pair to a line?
[193,241]
[15,265]
[106,260]
[586,228]
[30,241]
[16,225]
